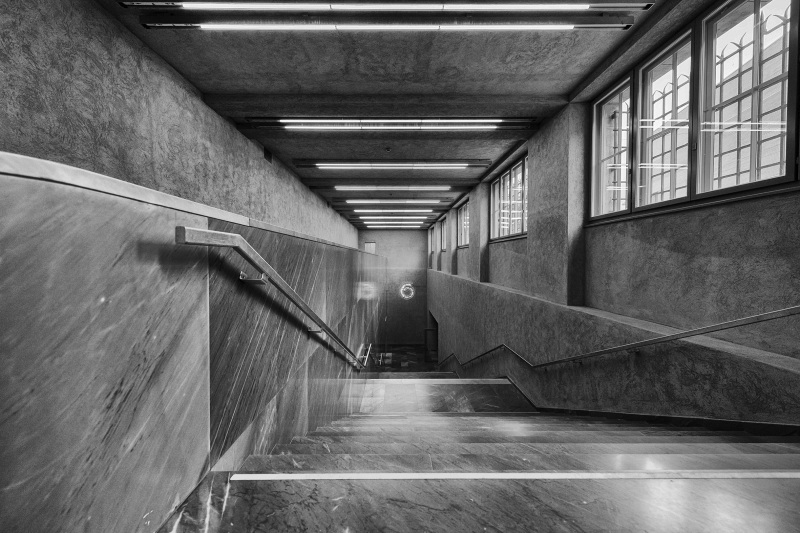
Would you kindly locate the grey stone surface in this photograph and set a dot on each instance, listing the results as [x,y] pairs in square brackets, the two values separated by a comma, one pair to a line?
[508,263]
[405,253]
[698,377]
[557,170]
[105,375]
[81,90]
[700,267]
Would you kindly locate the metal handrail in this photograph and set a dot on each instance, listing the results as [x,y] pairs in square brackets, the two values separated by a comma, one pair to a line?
[755,319]
[202,237]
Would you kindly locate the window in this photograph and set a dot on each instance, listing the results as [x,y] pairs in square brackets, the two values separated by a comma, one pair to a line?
[463,225]
[746,99]
[664,128]
[509,197]
[610,190]
[431,241]
[443,233]
[715,112]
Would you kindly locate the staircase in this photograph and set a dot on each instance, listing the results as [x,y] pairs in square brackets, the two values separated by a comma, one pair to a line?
[436,453]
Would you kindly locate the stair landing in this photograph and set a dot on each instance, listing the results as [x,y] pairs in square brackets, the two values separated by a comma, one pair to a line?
[474,455]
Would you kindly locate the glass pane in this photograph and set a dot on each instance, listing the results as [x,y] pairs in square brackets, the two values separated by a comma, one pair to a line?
[610,184]
[496,209]
[505,205]
[744,127]
[465,224]
[664,127]
[516,200]
[525,197]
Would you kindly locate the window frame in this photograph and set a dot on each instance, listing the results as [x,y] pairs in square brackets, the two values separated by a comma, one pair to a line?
[704,91]
[636,171]
[443,235]
[597,106]
[697,34]
[495,187]
[463,236]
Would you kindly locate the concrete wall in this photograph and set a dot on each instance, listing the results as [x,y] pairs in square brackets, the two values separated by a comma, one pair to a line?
[508,263]
[701,377]
[80,89]
[705,266]
[686,269]
[406,254]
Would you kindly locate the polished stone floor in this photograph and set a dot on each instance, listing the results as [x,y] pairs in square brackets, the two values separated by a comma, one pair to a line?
[444,454]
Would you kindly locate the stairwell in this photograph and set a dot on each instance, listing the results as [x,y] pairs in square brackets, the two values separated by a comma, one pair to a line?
[430,452]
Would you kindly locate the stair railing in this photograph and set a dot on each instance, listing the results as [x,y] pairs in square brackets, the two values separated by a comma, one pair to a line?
[755,319]
[268,275]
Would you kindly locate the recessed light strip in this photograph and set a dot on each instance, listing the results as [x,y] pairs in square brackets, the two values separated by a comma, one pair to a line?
[392,210]
[387,120]
[374,201]
[393,227]
[394,218]
[396,27]
[393,6]
[393,187]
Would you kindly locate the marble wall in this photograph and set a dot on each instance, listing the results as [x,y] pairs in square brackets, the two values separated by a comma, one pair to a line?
[263,358]
[79,88]
[104,340]
[132,365]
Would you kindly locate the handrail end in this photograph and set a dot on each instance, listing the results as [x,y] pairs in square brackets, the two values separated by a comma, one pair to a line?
[180,234]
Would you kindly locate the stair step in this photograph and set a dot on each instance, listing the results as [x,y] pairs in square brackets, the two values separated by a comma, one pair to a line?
[431,438]
[542,448]
[498,429]
[517,462]
[478,505]
[408,375]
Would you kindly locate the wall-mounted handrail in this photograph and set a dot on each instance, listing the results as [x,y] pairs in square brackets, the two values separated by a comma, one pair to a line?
[202,237]
[755,319]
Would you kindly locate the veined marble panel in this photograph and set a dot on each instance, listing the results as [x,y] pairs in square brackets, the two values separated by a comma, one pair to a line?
[104,382]
[269,375]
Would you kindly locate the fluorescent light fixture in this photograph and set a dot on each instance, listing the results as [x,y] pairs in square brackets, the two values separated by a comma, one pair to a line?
[393,210]
[391,124]
[392,127]
[267,27]
[384,27]
[391,166]
[392,227]
[387,120]
[393,187]
[392,201]
[286,6]
[395,218]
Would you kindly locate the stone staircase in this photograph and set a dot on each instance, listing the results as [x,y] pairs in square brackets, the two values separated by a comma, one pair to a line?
[434,453]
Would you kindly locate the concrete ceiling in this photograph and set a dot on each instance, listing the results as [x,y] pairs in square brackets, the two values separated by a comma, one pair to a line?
[383,74]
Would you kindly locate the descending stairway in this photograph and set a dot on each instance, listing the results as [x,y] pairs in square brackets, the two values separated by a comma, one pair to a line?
[434,453]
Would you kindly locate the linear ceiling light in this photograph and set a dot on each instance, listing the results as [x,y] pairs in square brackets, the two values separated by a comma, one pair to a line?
[393,187]
[395,27]
[392,6]
[392,201]
[386,120]
[367,127]
[392,210]
[392,227]
[394,218]
[391,166]
[391,124]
